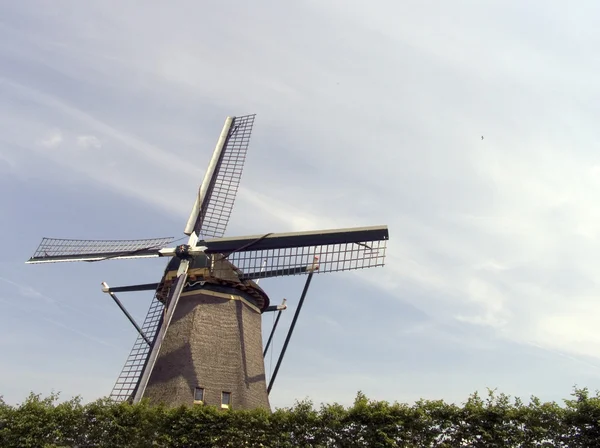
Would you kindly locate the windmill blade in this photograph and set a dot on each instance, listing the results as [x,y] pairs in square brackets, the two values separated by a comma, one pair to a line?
[293,253]
[129,377]
[217,193]
[172,300]
[53,250]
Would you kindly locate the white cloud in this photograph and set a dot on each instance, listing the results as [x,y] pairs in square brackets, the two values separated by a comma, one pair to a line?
[88,141]
[52,140]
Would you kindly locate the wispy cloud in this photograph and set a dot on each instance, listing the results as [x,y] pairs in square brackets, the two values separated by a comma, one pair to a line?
[77,332]
[53,139]
[27,291]
[88,142]
[34,299]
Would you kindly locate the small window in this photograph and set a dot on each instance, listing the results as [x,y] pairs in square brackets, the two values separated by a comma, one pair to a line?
[226,400]
[199,395]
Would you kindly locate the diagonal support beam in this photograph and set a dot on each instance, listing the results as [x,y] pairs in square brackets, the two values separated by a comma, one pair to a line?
[107,290]
[313,268]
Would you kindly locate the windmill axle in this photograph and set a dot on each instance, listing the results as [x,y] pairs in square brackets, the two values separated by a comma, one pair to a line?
[183,252]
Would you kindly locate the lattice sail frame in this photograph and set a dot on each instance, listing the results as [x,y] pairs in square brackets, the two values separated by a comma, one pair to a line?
[216,213]
[53,250]
[294,253]
[291,260]
[129,377]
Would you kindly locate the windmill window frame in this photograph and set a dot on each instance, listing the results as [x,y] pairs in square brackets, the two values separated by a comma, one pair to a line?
[199,392]
[225,404]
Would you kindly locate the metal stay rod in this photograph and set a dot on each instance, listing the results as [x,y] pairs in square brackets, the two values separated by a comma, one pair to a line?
[274,327]
[118,302]
[292,325]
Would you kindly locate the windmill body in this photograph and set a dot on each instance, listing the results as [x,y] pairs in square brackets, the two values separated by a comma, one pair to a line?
[214,342]
[201,340]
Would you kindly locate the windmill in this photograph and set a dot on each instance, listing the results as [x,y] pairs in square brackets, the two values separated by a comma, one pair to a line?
[201,340]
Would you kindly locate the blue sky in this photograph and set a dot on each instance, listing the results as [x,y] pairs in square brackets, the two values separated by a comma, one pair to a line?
[368,113]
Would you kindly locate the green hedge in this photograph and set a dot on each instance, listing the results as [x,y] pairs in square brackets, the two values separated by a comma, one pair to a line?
[496,421]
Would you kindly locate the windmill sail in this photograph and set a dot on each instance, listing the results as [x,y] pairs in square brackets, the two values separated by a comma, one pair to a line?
[292,253]
[52,250]
[213,208]
[171,304]
[129,377]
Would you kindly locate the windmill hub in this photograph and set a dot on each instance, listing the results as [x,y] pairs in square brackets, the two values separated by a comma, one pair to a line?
[183,252]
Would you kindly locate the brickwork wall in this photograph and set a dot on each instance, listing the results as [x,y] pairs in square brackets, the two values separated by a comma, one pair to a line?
[213,342]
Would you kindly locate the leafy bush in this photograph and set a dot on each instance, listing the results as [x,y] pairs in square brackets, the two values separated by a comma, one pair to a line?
[495,421]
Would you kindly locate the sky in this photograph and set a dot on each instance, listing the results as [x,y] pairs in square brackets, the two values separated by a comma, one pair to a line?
[368,113]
